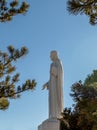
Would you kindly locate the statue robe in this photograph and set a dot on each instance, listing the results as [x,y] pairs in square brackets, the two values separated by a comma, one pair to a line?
[55,87]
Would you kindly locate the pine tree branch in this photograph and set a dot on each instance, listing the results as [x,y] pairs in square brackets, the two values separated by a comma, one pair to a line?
[19,90]
[75,6]
[9,9]
[87,7]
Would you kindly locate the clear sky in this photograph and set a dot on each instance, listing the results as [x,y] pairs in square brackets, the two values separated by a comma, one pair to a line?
[47,26]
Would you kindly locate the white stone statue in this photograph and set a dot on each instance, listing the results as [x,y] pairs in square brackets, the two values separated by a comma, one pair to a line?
[55,87]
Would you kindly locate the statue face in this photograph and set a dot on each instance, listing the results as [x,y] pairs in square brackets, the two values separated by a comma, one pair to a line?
[53,55]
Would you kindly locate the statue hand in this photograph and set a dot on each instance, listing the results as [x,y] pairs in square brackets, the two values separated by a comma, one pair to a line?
[45,86]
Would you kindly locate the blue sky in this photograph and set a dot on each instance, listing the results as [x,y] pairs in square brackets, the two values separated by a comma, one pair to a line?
[47,26]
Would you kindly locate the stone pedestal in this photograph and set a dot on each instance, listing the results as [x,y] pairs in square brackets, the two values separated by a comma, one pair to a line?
[50,124]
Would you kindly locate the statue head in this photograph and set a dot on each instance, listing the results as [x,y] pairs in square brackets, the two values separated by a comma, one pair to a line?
[54,55]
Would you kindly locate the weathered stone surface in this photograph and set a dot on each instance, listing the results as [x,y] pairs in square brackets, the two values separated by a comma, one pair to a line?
[50,124]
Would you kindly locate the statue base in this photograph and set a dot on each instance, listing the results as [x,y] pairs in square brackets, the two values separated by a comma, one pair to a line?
[50,124]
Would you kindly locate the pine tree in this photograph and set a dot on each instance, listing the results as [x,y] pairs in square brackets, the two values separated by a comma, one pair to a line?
[8,80]
[8,77]
[83,115]
[87,7]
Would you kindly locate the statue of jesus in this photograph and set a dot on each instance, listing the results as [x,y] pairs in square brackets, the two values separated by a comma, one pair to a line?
[55,86]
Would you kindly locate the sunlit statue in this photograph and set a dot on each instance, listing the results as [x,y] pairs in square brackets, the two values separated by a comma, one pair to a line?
[55,86]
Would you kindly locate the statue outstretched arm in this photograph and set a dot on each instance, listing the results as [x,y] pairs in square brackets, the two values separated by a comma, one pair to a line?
[45,86]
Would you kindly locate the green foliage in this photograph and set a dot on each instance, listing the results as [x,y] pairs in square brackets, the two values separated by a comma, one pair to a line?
[72,118]
[10,9]
[4,103]
[8,79]
[87,7]
[83,115]
[91,79]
